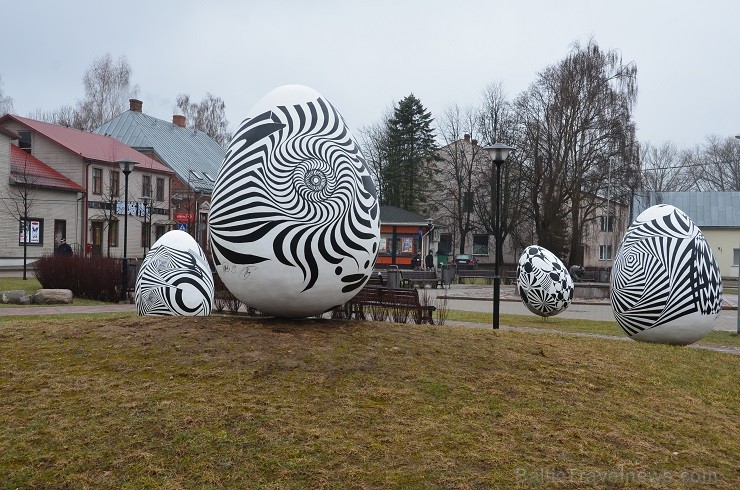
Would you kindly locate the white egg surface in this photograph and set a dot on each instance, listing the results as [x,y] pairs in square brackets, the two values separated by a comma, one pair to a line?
[174,278]
[544,283]
[666,285]
[294,218]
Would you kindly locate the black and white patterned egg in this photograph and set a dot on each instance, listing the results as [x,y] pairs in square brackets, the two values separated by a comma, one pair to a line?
[294,220]
[174,278]
[544,284]
[666,285]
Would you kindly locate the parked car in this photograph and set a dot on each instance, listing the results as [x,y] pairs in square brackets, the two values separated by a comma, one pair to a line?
[465,261]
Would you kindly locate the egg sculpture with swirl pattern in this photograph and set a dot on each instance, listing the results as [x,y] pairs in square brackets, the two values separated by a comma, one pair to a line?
[294,220]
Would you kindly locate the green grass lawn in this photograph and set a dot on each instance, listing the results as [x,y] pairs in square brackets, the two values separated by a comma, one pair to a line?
[130,402]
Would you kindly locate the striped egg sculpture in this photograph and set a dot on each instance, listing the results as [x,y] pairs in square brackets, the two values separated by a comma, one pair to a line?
[666,285]
[174,278]
[544,284]
[294,218]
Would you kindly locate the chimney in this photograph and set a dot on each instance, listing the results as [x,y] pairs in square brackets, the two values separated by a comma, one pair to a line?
[178,120]
[467,137]
[135,105]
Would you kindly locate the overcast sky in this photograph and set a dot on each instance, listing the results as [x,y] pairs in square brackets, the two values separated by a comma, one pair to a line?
[364,55]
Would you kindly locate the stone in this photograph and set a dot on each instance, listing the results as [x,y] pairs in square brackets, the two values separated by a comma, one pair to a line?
[13,296]
[52,297]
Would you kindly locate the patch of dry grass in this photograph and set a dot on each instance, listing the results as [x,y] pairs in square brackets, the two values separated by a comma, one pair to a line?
[234,402]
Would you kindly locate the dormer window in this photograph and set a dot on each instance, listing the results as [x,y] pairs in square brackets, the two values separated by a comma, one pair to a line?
[24,143]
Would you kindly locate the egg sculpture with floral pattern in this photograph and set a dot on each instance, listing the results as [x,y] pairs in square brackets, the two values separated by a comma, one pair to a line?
[666,286]
[174,278]
[294,217]
[544,284]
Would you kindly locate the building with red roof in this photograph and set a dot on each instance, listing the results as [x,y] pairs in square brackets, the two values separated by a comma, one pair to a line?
[82,186]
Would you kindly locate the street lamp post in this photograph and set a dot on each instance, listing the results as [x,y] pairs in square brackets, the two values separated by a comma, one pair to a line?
[499,152]
[147,210]
[738,280]
[126,167]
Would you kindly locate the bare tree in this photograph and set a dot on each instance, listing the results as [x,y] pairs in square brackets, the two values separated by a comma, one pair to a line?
[64,116]
[22,192]
[373,139]
[108,88]
[715,164]
[576,119]
[208,115]
[6,103]
[663,169]
[458,168]
[498,125]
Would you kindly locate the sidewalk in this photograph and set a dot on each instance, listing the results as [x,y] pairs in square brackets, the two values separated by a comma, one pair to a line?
[67,309]
[508,293]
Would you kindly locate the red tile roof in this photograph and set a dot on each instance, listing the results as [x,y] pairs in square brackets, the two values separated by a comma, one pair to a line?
[89,145]
[27,169]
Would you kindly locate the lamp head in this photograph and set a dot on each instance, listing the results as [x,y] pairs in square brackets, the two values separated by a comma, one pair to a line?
[126,165]
[498,152]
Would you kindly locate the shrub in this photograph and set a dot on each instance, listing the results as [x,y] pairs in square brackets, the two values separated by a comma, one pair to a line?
[95,278]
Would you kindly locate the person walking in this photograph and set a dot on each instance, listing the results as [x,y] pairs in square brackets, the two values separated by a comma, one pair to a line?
[429,259]
[64,250]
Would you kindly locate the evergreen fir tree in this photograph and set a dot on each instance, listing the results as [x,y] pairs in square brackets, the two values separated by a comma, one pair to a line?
[410,148]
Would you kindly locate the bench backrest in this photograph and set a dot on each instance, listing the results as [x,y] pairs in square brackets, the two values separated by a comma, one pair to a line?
[387,296]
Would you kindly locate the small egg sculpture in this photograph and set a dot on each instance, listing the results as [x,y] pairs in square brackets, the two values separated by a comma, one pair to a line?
[544,283]
[174,279]
[294,217]
[666,285]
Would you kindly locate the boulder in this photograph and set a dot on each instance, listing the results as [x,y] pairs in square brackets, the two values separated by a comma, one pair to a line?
[52,296]
[14,296]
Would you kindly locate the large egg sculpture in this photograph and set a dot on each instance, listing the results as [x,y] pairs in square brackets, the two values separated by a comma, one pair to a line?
[544,283]
[294,217]
[666,286]
[174,278]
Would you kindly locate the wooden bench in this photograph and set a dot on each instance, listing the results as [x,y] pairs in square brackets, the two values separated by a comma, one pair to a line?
[396,300]
[464,274]
[412,279]
[510,277]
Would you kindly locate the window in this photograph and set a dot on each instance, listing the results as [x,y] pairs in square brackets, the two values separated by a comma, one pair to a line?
[445,243]
[115,183]
[146,185]
[160,189]
[113,233]
[32,233]
[97,181]
[480,244]
[24,143]
[607,219]
[605,252]
[735,256]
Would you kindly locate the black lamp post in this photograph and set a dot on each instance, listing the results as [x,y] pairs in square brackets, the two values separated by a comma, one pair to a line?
[499,152]
[127,167]
[147,210]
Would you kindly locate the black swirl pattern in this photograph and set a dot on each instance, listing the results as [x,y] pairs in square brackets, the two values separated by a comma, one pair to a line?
[663,271]
[174,282]
[295,174]
[544,283]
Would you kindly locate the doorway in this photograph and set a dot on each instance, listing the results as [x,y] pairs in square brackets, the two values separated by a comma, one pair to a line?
[97,236]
